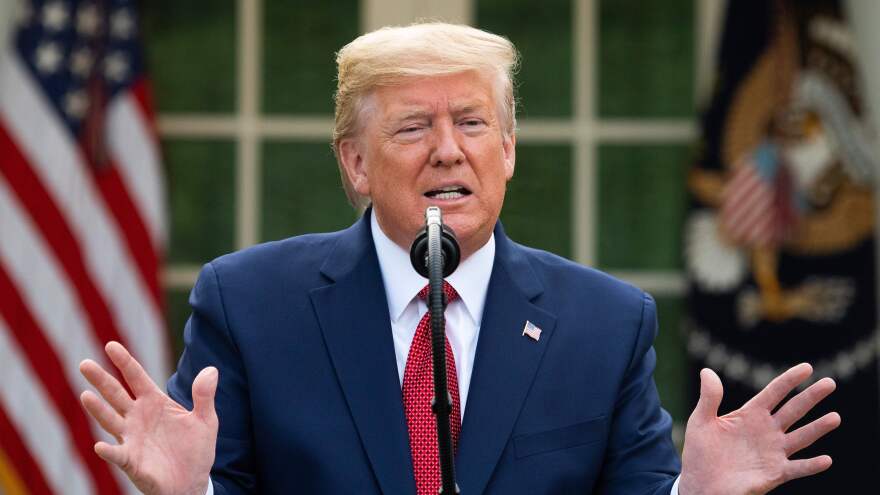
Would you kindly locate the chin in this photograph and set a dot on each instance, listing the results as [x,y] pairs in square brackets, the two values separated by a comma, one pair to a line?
[470,235]
[457,224]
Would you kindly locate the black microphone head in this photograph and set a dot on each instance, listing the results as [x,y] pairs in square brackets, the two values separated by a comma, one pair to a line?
[451,251]
[418,252]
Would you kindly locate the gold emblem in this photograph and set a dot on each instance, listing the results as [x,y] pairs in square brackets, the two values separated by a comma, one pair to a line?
[807,191]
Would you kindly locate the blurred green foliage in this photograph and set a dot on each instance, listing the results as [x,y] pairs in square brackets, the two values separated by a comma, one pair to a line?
[537,208]
[201,193]
[191,54]
[646,52]
[300,40]
[302,191]
[641,206]
[542,31]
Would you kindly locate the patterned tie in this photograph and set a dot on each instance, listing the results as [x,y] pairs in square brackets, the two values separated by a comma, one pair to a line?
[418,391]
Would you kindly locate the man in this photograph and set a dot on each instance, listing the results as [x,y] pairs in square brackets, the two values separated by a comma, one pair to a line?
[319,340]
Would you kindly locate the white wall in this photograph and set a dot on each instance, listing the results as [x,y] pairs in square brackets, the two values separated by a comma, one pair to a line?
[864,16]
[7,15]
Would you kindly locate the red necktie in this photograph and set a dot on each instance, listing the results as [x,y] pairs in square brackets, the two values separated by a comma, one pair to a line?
[418,391]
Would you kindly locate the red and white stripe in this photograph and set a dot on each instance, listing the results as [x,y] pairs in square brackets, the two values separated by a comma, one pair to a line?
[134,147]
[79,262]
[747,209]
[32,413]
[48,297]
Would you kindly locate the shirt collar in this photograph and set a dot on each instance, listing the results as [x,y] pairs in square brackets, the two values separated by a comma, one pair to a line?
[402,283]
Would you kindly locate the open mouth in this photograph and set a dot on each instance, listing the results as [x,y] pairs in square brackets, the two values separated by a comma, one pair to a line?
[448,192]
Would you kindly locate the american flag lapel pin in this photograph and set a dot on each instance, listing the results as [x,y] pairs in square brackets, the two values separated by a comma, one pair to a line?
[532,331]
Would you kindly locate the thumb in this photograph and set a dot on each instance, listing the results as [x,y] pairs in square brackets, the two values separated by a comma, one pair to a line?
[711,393]
[203,389]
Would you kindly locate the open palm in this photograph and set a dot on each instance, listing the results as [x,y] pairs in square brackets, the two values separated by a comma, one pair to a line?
[162,447]
[748,450]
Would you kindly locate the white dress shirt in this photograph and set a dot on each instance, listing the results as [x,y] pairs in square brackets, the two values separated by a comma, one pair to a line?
[463,316]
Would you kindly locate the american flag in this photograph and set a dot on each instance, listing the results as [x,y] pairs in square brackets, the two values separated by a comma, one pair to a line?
[759,206]
[532,331]
[82,225]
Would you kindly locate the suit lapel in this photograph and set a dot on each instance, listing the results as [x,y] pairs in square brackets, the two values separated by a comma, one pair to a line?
[353,314]
[505,365]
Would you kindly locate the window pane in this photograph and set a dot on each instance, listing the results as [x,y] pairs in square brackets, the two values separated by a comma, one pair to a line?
[300,41]
[302,191]
[641,206]
[646,58]
[191,54]
[537,209]
[201,186]
[671,363]
[542,33]
[178,311]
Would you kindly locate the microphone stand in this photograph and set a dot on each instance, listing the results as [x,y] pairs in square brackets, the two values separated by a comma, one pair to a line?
[435,254]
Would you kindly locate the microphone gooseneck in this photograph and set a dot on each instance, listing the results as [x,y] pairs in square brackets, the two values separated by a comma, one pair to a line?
[435,254]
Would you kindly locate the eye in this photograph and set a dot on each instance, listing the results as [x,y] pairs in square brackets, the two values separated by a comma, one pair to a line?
[471,124]
[410,129]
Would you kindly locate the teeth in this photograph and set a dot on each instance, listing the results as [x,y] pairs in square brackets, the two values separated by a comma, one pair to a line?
[448,192]
[449,195]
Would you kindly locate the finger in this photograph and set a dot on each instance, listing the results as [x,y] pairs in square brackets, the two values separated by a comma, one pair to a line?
[711,393]
[114,454]
[131,370]
[203,390]
[807,467]
[800,404]
[776,390]
[109,419]
[107,385]
[807,434]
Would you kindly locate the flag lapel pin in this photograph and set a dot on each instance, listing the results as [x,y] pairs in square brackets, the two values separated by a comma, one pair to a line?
[532,331]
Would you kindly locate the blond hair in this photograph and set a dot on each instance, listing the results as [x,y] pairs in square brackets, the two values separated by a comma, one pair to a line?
[390,55]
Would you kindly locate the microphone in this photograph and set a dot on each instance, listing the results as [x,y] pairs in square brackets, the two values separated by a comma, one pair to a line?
[450,252]
[435,254]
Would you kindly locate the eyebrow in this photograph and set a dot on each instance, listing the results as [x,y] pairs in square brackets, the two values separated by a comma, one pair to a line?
[456,109]
[467,108]
[421,113]
[413,114]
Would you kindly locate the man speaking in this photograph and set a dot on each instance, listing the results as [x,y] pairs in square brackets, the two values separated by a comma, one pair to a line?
[306,359]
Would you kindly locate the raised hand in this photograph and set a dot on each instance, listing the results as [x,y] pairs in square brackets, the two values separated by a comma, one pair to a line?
[747,451]
[162,447]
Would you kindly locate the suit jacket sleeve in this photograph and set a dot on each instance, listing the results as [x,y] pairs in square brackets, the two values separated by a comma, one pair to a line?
[640,458]
[209,342]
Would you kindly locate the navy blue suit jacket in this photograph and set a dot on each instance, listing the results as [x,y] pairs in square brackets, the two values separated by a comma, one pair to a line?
[309,397]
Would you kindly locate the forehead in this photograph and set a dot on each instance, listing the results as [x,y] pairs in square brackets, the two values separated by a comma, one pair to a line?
[466,90]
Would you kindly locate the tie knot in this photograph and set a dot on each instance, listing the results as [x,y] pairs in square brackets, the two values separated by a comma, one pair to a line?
[451,294]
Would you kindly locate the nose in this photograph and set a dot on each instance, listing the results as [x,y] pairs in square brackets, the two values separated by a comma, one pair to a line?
[446,151]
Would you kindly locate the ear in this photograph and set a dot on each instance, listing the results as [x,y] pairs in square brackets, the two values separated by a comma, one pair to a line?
[352,159]
[509,149]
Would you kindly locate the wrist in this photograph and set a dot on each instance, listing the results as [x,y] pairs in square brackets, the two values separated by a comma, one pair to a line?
[201,488]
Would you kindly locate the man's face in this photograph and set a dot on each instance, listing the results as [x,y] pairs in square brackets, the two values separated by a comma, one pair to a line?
[433,141]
